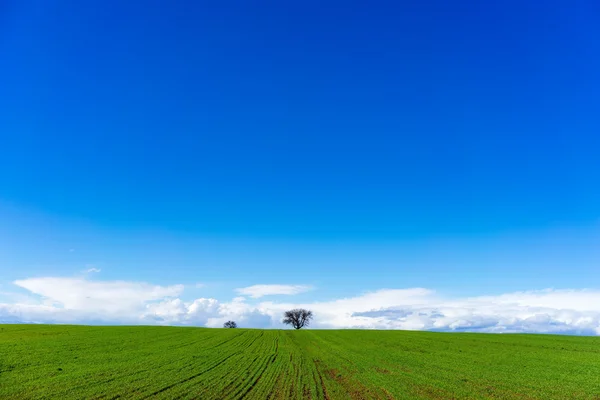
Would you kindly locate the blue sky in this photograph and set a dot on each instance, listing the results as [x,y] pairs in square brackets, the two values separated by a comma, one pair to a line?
[340,149]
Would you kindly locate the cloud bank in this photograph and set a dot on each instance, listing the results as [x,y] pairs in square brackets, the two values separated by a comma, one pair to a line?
[81,300]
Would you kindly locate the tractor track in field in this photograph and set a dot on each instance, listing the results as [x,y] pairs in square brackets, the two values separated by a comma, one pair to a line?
[267,364]
[164,389]
[322,381]
[229,340]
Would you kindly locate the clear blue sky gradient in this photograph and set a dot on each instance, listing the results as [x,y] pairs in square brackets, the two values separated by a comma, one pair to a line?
[350,145]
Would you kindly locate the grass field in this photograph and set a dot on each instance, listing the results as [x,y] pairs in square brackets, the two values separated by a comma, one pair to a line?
[78,362]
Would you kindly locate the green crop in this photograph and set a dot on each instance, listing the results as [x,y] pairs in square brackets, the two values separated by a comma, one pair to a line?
[82,362]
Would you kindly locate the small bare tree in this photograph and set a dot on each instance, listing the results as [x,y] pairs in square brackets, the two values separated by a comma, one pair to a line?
[230,324]
[298,317]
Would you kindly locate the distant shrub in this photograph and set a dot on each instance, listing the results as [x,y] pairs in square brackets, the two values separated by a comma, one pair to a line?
[230,324]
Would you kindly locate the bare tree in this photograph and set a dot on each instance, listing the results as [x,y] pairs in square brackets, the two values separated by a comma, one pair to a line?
[230,324]
[298,317]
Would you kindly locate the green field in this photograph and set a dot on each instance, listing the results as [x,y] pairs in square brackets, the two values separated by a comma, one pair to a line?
[80,362]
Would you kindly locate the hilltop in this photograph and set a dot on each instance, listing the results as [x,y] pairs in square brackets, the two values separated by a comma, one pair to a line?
[74,362]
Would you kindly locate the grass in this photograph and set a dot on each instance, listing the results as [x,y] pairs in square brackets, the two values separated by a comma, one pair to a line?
[81,362]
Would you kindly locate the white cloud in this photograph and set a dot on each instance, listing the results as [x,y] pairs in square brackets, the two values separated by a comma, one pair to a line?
[547,311]
[257,291]
[92,270]
[177,312]
[99,299]
[80,300]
